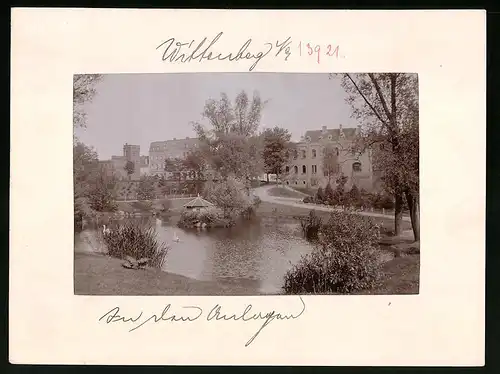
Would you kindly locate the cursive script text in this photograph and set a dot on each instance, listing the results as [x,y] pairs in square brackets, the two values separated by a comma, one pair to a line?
[193,313]
[184,52]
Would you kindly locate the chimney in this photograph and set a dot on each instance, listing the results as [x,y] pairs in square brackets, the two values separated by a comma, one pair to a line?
[323,129]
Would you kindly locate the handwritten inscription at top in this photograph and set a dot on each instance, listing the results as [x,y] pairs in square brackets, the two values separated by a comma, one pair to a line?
[176,51]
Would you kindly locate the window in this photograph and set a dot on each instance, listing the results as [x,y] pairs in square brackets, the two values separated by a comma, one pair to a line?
[295,154]
[314,182]
[324,151]
[303,154]
[287,182]
[295,182]
[314,169]
[304,182]
[336,151]
[304,169]
[314,153]
[287,169]
[356,166]
[330,137]
[325,173]
[296,169]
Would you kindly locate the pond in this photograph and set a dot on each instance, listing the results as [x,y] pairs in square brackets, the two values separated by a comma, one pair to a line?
[255,255]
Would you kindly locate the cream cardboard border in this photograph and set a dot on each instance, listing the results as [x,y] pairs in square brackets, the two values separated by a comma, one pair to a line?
[444,325]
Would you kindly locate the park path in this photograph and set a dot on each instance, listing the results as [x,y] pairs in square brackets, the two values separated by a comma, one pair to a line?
[263,194]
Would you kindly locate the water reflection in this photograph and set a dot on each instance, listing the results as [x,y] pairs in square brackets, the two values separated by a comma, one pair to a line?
[254,255]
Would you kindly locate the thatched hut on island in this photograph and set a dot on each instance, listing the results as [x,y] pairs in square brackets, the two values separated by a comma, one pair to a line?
[198,204]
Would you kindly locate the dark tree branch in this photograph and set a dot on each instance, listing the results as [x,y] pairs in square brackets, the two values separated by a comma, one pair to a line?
[366,100]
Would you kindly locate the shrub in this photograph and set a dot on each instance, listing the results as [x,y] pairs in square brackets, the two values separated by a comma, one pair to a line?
[144,206]
[308,199]
[311,225]
[328,195]
[320,195]
[138,241]
[229,195]
[344,259]
[354,197]
[382,201]
[211,218]
[146,188]
[188,218]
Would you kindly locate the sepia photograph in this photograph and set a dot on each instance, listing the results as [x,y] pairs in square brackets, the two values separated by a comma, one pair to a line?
[246,184]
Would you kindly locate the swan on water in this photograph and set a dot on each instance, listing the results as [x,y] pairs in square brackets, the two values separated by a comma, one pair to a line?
[176,238]
[105,230]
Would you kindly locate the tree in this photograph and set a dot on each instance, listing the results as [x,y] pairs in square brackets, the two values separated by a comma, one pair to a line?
[329,196]
[83,91]
[339,192]
[176,167]
[230,144]
[387,106]
[129,168]
[85,171]
[228,195]
[195,166]
[146,189]
[275,148]
[330,161]
[320,195]
[85,167]
[101,194]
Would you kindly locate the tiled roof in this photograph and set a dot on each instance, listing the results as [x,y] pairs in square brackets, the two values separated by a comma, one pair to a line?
[199,202]
[315,135]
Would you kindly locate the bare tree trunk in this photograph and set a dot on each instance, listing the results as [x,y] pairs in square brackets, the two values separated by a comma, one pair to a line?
[398,213]
[267,176]
[414,214]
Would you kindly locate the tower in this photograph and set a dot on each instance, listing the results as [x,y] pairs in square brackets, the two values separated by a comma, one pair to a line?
[132,153]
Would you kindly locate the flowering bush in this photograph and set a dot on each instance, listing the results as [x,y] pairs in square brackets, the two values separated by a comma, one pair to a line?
[344,259]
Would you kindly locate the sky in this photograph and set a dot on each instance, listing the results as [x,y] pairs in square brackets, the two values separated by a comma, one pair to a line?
[142,108]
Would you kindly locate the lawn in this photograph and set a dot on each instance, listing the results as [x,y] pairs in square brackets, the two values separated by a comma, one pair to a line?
[103,275]
[307,191]
[400,276]
[96,274]
[284,192]
[285,212]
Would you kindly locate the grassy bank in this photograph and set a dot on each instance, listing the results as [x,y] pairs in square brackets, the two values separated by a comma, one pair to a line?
[287,213]
[103,275]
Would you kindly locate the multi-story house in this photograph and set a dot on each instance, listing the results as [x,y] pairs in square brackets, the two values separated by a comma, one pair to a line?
[306,165]
[144,165]
[116,166]
[169,149]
